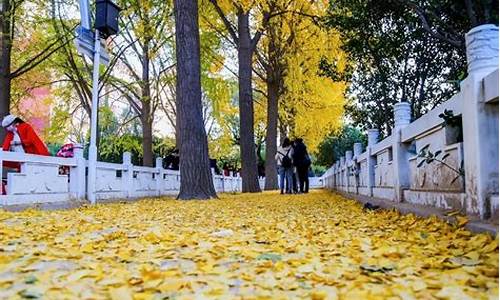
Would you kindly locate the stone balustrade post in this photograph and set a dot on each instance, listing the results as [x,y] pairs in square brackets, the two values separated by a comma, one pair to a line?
[231,181]
[348,160]
[400,163]
[160,173]
[335,172]
[339,174]
[358,149]
[77,178]
[128,175]
[373,135]
[342,172]
[348,156]
[223,182]
[480,121]
[370,160]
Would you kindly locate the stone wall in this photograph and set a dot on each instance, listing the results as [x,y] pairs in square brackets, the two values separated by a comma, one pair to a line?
[39,180]
[467,176]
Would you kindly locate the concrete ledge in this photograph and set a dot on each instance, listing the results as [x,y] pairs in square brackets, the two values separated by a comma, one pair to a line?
[490,87]
[494,208]
[70,204]
[441,199]
[46,205]
[363,190]
[474,225]
[383,192]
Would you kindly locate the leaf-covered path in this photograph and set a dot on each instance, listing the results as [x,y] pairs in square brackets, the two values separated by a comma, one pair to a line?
[259,246]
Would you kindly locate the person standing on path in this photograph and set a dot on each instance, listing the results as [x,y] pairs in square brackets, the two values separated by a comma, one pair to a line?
[302,162]
[285,165]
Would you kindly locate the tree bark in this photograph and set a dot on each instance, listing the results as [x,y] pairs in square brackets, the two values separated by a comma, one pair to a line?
[196,178]
[272,135]
[249,174]
[147,141]
[146,116]
[5,51]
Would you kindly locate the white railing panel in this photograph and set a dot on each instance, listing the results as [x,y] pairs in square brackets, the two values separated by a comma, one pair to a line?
[431,119]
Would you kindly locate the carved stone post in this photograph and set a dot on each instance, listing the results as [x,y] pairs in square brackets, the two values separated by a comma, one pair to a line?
[358,149]
[128,177]
[400,163]
[370,160]
[480,121]
[348,165]
[77,184]
[160,172]
[342,173]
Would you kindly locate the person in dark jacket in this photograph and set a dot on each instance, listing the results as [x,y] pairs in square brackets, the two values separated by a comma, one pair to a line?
[301,162]
[171,162]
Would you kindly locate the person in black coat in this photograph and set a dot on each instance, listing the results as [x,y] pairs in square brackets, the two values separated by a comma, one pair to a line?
[171,162]
[301,162]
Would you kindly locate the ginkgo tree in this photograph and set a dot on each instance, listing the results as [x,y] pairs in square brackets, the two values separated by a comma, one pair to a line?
[196,179]
[26,42]
[217,89]
[236,17]
[307,104]
[147,31]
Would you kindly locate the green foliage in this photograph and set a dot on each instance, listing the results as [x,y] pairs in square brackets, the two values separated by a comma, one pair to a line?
[318,170]
[231,160]
[111,148]
[108,122]
[163,146]
[53,148]
[335,146]
[58,129]
[395,59]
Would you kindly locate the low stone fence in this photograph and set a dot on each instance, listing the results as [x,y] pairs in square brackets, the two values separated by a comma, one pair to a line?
[464,173]
[39,180]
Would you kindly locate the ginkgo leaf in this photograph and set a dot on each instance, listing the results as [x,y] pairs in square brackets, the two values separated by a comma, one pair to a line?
[318,245]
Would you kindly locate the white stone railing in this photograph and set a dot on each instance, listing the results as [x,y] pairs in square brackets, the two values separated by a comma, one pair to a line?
[388,169]
[39,177]
[39,181]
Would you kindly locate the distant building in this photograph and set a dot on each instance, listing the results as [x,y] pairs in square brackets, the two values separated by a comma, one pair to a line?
[35,109]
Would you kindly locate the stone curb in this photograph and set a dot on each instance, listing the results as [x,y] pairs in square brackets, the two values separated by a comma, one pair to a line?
[475,225]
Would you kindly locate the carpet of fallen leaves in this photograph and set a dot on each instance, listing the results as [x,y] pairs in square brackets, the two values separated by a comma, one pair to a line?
[259,246]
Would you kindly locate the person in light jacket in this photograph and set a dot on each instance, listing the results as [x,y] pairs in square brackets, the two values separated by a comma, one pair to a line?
[285,165]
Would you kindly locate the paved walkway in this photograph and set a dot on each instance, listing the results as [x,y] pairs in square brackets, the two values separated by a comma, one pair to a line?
[259,246]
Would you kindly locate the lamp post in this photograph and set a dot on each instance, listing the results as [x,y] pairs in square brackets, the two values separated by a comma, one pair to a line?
[106,24]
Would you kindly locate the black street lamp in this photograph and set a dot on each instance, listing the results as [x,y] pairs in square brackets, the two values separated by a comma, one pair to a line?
[106,18]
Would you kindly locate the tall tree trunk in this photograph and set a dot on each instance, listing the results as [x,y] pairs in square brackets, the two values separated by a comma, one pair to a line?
[147,141]
[283,131]
[5,50]
[196,178]
[272,134]
[146,116]
[177,137]
[249,175]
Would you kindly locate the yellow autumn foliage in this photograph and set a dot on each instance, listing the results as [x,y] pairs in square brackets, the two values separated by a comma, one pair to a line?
[251,246]
[312,104]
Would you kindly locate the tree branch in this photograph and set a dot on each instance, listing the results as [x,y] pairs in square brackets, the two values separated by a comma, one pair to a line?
[230,28]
